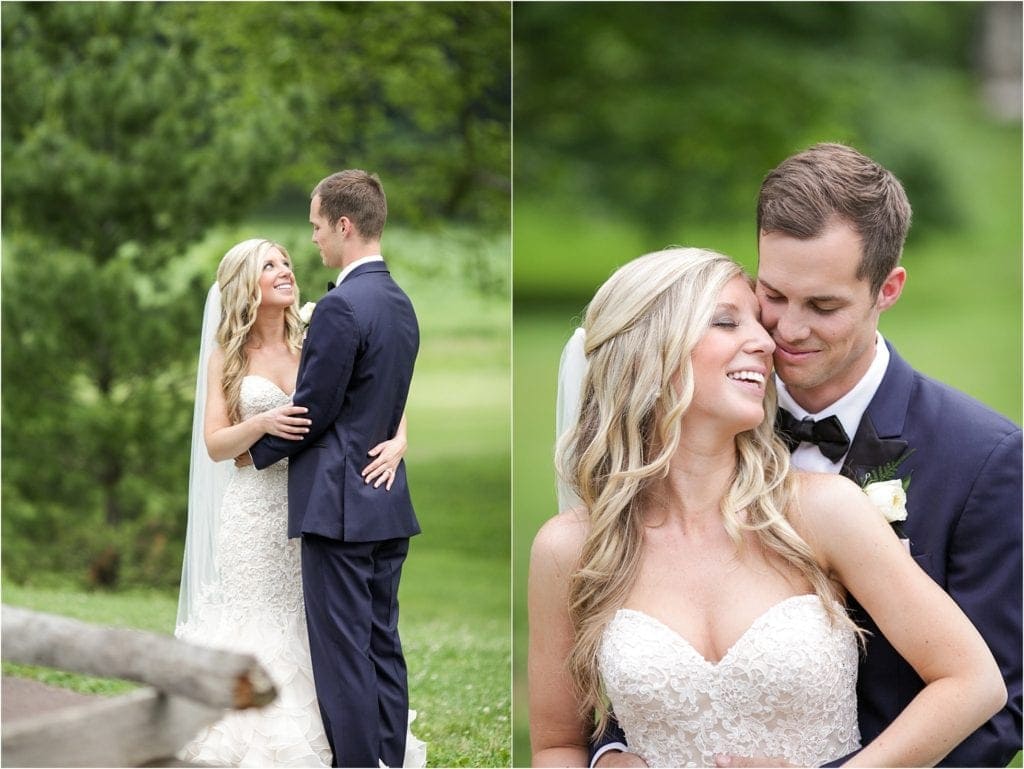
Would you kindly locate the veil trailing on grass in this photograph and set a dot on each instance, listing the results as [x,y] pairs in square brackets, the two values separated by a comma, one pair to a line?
[571,368]
[207,481]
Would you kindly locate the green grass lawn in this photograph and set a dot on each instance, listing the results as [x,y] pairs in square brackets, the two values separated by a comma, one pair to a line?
[455,588]
[455,599]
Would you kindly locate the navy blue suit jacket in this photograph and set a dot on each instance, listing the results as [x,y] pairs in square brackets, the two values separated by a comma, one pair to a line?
[964,524]
[354,374]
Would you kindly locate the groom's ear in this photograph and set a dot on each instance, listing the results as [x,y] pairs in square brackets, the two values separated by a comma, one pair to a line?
[891,288]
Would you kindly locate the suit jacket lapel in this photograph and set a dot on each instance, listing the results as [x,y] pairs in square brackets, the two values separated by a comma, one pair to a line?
[869,450]
[878,439]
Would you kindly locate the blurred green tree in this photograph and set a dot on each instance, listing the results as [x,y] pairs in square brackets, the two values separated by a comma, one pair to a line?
[123,141]
[418,92]
[431,100]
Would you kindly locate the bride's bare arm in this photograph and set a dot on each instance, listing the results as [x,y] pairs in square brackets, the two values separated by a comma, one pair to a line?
[225,440]
[558,734]
[964,686]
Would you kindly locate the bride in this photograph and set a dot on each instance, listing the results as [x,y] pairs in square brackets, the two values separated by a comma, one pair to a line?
[241,586]
[698,587]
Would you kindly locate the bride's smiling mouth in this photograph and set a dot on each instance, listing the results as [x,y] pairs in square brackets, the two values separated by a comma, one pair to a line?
[749,379]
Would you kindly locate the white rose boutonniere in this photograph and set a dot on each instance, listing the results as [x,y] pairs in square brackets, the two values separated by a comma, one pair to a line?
[889,494]
[890,498]
[306,313]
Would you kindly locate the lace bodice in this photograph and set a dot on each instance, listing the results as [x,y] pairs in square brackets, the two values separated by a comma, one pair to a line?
[259,394]
[259,566]
[786,688]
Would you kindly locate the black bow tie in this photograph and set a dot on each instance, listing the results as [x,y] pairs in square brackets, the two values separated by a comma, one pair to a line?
[827,434]
[330,285]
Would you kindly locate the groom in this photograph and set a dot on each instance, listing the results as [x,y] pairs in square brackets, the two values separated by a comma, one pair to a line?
[357,362]
[831,225]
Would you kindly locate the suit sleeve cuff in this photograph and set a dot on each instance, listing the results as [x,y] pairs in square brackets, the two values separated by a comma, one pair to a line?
[619,746]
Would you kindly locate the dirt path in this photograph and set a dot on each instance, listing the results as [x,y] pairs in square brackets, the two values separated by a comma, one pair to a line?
[23,697]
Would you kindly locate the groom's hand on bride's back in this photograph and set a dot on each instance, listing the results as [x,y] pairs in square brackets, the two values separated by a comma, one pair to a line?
[618,758]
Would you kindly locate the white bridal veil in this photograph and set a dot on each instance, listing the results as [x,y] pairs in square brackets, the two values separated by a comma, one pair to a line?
[571,369]
[207,481]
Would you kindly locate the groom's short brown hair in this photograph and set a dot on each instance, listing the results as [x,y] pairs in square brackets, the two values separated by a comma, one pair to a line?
[809,190]
[357,195]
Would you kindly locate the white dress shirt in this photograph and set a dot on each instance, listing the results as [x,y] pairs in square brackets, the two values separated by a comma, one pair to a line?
[849,410]
[364,260]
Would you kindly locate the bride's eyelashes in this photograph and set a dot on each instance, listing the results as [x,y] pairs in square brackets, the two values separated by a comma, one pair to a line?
[724,322]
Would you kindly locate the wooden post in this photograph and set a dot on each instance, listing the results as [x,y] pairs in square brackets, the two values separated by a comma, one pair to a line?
[213,677]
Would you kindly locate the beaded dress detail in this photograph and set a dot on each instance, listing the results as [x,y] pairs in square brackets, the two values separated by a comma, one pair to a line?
[786,688]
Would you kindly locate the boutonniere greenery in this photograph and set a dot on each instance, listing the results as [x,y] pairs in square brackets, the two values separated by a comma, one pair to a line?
[889,492]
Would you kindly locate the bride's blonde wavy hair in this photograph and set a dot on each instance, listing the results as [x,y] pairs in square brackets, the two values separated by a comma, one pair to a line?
[239,279]
[640,331]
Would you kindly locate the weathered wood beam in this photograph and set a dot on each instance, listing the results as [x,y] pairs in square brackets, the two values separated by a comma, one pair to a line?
[141,727]
[214,677]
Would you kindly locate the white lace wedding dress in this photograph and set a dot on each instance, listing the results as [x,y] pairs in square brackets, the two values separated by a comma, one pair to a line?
[785,689]
[259,609]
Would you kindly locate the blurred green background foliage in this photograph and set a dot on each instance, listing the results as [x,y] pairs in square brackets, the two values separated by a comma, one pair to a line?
[639,126]
[663,118]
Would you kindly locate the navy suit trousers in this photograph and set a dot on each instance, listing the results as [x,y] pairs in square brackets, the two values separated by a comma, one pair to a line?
[351,593]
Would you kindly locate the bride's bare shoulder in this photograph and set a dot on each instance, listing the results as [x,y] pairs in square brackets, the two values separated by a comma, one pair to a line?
[820,493]
[561,538]
[824,501]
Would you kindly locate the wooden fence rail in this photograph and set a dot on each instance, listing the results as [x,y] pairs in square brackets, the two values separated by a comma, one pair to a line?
[189,686]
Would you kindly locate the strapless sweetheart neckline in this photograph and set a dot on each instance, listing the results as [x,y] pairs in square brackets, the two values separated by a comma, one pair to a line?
[686,644]
[271,382]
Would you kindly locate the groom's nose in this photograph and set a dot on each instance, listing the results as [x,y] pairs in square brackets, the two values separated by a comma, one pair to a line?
[790,326]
